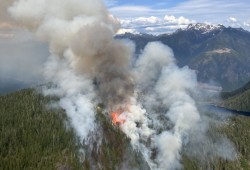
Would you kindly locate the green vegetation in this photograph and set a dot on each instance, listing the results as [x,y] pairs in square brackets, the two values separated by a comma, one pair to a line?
[225,67]
[238,99]
[34,137]
[114,151]
[240,102]
[237,129]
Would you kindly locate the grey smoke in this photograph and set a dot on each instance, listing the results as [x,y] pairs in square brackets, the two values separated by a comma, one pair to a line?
[172,94]
[76,95]
[171,86]
[4,16]
[83,52]
[87,66]
[85,29]
[150,63]
[107,60]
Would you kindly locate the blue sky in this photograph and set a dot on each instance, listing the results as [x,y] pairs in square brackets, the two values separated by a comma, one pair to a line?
[162,16]
[159,3]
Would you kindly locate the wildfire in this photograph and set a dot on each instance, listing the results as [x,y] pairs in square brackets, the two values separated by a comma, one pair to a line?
[118,118]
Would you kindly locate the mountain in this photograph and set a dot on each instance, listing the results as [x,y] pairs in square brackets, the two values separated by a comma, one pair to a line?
[219,54]
[36,136]
[239,99]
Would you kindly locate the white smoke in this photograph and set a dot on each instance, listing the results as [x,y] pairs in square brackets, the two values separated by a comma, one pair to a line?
[168,91]
[173,88]
[149,65]
[164,85]
[65,26]
[169,150]
[159,111]
[75,92]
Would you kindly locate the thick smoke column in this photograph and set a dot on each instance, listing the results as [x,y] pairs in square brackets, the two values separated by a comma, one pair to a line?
[75,92]
[80,34]
[170,90]
[85,29]
[87,66]
[106,60]
[167,90]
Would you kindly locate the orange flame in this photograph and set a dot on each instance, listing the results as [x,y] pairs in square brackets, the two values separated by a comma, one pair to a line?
[117,119]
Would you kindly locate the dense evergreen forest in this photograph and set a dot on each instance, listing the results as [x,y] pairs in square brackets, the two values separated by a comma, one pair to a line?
[238,99]
[32,136]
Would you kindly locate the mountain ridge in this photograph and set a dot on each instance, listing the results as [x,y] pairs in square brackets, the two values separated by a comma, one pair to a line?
[202,50]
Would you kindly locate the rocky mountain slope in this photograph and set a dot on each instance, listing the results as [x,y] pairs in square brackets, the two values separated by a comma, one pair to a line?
[219,54]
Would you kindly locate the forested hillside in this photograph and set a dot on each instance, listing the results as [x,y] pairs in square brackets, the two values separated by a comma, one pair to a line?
[32,136]
[238,99]
[36,137]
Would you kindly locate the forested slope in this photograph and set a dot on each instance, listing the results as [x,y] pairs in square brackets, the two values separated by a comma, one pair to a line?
[238,99]
[32,136]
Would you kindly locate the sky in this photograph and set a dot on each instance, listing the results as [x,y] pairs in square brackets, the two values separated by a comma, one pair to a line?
[18,46]
[165,16]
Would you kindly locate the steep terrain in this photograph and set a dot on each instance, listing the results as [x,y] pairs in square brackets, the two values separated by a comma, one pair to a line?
[239,99]
[219,54]
[36,137]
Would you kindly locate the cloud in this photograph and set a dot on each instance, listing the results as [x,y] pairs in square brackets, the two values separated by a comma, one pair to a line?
[180,20]
[152,20]
[123,31]
[247,24]
[214,12]
[232,19]
[156,25]
[164,29]
[233,22]
[145,20]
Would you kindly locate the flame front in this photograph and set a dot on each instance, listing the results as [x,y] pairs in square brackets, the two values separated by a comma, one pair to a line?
[117,118]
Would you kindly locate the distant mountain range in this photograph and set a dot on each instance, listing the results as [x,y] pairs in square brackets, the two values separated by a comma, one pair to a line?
[219,54]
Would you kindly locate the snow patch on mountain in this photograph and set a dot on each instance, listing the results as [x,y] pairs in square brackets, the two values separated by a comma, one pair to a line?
[205,28]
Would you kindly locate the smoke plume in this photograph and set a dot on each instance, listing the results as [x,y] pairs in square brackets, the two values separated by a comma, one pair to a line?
[80,35]
[152,101]
[168,92]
